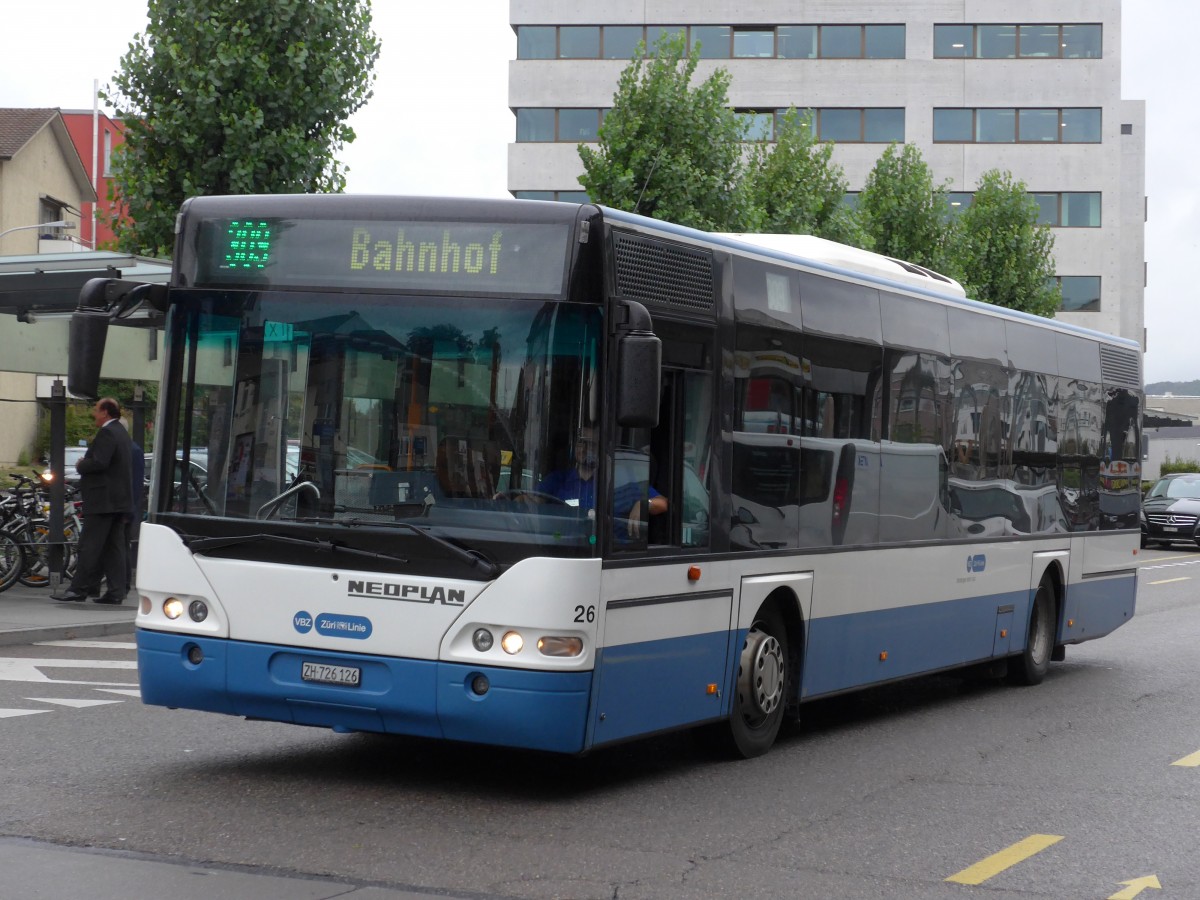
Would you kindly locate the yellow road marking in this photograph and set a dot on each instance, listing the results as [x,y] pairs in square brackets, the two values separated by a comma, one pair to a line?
[1172,558]
[1169,580]
[1136,886]
[1191,760]
[1006,858]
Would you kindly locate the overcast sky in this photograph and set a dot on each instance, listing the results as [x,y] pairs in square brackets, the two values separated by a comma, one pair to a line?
[439,122]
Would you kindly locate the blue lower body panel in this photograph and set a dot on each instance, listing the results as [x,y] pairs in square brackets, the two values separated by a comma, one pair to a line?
[535,710]
[1096,607]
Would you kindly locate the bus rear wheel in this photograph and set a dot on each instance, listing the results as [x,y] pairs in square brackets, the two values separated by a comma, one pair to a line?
[760,690]
[1031,666]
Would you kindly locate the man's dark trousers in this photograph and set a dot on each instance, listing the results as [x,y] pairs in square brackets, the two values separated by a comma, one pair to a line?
[102,547]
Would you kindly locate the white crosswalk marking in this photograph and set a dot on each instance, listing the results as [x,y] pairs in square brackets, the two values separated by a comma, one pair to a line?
[76,704]
[44,672]
[30,669]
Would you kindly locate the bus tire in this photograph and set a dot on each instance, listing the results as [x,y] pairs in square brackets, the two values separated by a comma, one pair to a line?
[760,688]
[1030,667]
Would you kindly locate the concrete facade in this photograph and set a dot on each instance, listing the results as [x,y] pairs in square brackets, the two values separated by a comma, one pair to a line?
[919,83]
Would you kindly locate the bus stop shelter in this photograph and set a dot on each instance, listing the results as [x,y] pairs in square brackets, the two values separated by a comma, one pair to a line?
[38,294]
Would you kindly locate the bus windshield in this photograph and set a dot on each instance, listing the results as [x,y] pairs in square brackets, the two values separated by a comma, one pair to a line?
[372,411]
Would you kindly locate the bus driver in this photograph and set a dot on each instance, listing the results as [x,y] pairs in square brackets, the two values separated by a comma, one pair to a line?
[577,486]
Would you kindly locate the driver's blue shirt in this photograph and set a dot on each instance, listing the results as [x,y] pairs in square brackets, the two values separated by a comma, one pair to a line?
[567,486]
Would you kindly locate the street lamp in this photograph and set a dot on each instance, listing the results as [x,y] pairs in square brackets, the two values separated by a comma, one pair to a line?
[62,224]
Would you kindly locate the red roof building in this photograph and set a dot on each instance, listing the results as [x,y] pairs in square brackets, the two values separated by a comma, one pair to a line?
[95,137]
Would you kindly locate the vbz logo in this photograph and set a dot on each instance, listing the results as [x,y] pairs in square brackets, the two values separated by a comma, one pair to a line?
[976,563]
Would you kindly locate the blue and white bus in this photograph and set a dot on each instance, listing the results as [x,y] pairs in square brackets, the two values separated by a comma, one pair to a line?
[796,469]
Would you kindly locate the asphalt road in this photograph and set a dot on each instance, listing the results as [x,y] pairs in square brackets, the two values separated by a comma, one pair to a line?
[1084,787]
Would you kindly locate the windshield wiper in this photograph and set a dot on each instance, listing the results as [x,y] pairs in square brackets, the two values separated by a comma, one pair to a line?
[199,545]
[473,558]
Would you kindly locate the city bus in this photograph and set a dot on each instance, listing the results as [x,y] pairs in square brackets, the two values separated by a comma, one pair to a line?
[796,470]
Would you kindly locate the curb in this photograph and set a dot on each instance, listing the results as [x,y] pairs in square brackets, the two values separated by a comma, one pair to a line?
[37,633]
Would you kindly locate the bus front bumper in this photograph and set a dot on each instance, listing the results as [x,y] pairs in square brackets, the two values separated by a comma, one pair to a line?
[423,698]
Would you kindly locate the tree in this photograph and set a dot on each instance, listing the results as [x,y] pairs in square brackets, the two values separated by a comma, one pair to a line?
[794,187]
[231,98]
[1001,254]
[668,150]
[905,214]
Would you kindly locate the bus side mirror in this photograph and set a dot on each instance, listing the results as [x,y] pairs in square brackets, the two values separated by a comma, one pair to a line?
[88,333]
[639,371]
[102,300]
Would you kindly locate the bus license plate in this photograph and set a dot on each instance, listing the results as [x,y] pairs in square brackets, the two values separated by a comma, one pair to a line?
[349,676]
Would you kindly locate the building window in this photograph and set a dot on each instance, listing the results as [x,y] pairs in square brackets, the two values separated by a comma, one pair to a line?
[884,42]
[796,41]
[958,201]
[107,153]
[758,126]
[855,125]
[1082,42]
[563,196]
[576,125]
[549,125]
[1017,126]
[1069,209]
[579,42]
[535,125]
[714,41]
[753,43]
[1063,209]
[536,42]
[620,41]
[50,210]
[1017,41]
[1080,293]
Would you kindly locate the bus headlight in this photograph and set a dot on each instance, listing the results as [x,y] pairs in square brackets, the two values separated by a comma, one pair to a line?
[482,640]
[560,646]
[172,608]
[198,610]
[512,643]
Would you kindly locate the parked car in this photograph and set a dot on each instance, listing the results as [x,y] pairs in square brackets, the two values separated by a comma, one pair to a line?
[71,455]
[1171,510]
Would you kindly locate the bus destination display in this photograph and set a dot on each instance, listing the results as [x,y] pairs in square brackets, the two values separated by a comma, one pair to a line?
[461,257]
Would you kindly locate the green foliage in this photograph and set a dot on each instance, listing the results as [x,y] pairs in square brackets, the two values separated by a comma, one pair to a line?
[23,458]
[1178,464]
[678,153]
[666,149]
[1001,254]
[905,214]
[234,98]
[80,426]
[794,187]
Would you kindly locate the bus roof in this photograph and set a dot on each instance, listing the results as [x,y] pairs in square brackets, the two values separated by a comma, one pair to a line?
[842,260]
[847,257]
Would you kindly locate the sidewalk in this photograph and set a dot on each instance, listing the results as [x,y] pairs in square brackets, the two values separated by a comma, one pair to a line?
[28,615]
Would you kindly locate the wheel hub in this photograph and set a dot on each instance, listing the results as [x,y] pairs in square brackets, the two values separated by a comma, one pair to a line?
[761,677]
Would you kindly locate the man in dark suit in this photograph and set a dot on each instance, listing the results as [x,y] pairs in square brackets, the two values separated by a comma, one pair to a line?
[106,488]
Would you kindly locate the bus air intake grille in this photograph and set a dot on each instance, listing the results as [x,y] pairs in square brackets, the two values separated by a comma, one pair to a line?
[657,273]
[1120,367]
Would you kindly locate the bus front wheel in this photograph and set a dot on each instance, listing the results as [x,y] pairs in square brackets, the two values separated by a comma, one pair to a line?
[1030,667]
[759,692]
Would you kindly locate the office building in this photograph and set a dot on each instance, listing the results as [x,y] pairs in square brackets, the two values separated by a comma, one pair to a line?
[1033,88]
